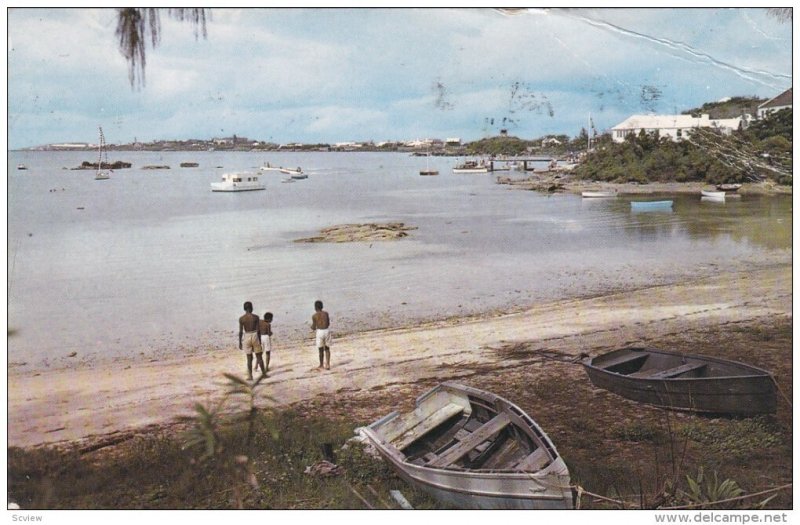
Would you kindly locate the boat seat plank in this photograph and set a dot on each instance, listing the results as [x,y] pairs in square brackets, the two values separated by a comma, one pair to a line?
[426,425]
[536,460]
[627,358]
[678,370]
[486,431]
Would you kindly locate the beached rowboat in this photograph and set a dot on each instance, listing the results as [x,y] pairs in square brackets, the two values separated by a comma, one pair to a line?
[728,188]
[473,450]
[684,381]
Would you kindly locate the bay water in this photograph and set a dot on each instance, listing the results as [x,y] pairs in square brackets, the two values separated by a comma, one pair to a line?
[151,264]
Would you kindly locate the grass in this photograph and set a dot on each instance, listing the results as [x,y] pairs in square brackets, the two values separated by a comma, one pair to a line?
[158,472]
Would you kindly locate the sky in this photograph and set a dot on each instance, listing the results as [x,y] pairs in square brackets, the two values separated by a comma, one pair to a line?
[315,75]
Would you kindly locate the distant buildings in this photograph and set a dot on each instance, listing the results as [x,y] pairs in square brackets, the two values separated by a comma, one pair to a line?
[782,101]
[673,126]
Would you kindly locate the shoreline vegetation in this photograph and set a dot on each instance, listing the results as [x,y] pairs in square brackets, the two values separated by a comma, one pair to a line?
[68,440]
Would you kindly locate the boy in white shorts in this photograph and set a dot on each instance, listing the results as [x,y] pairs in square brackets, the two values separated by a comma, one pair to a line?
[265,328]
[321,322]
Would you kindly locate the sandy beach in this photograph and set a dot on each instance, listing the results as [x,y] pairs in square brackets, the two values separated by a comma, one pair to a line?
[96,403]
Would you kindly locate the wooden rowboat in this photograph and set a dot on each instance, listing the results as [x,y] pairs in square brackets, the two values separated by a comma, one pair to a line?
[728,188]
[473,450]
[684,381]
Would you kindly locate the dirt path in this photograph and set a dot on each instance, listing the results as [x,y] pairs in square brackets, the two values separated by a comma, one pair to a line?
[68,405]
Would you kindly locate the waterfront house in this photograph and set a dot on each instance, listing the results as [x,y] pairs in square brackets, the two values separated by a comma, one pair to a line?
[673,126]
[782,101]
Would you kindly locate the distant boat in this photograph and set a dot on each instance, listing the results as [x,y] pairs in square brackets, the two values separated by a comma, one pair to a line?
[268,167]
[651,205]
[22,167]
[189,164]
[718,195]
[598,194]
[728,188]
[471,166]
[290,171]
[239,181]
[428,170]
[684,381]
[100,174]
[473,450]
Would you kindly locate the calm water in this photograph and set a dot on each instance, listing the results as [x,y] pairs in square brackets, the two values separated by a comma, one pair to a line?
[152,263]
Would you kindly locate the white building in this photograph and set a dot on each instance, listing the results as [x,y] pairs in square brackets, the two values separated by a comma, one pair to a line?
[782,101]
[673,126]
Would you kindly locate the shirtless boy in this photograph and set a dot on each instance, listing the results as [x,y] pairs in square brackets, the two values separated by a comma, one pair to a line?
[321,322]
[249,334]
[265,327]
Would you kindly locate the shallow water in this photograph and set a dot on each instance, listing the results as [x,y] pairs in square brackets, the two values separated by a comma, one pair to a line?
[152,263]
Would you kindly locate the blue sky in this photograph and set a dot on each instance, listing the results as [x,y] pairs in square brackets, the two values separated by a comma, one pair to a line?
[334,75]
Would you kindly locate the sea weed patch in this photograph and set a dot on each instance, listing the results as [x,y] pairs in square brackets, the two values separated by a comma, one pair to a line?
[737,438]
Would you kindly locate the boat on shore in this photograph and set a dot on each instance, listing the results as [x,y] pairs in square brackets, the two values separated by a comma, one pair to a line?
[598,194]
[651,205]
[684,381]
[473,450]
[728,188]
[238,181]
[471,166]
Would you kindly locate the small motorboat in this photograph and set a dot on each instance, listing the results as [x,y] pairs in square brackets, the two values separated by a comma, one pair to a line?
[22,167]
[598,194]
[473,450]
[238,181]
[684,382]
[428,172]
[651,205]
[718,195]
[471,166]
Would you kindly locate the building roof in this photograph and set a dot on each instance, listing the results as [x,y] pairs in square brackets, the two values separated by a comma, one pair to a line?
[661,122]
[784,99]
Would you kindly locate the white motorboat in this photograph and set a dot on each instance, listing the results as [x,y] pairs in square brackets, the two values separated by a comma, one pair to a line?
[238,181]
[471,166]
[598,194]
[718,195]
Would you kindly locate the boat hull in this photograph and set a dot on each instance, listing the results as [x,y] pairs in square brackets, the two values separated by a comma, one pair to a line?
[651,205]
[741,389]
[470,170]
[235,188]
[598,194]
[499,487]
[719,195]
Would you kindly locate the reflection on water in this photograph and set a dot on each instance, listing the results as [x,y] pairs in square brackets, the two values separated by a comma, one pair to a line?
[153,262]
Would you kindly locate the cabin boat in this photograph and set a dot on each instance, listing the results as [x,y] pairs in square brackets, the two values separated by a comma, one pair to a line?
[238,181]
[471,166]
[472,449]
[684,381]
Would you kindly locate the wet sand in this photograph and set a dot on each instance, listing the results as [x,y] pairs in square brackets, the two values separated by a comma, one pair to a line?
[108,400]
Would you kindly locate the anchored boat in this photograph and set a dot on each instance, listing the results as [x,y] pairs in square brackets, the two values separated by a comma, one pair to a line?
[239,181]
[473,450]
[684,382]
